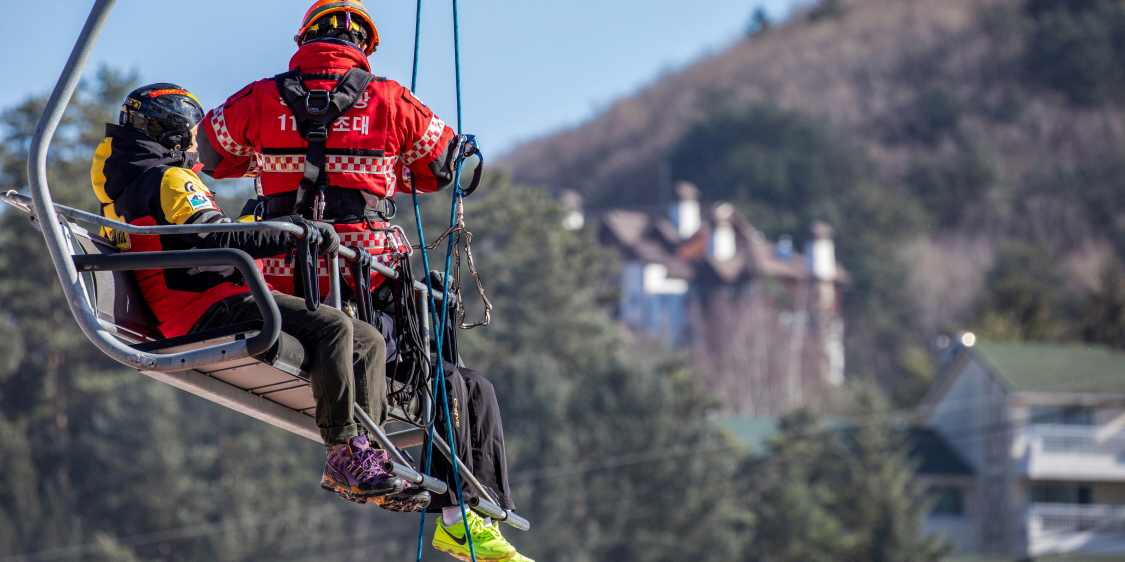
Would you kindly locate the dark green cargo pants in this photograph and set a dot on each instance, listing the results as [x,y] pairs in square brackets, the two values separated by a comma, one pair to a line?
[347,358]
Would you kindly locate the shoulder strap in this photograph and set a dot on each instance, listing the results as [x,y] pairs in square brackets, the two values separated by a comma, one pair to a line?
[315,110]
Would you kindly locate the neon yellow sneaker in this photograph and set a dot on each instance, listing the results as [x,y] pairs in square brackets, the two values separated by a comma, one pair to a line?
[494,529]
[488,544]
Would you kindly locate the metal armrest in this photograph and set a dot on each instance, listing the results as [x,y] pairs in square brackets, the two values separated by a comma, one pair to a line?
[260,343]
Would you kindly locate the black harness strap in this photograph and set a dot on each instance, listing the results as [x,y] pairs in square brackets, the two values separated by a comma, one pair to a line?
[315,110]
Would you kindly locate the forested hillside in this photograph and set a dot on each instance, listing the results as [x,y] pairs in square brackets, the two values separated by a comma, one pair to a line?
[969,154]
[612,453]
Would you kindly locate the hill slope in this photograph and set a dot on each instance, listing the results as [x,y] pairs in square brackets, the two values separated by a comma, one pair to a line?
[996,117]
[859,70]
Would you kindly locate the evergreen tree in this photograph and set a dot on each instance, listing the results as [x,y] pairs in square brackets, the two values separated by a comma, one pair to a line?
[792,495]
[828,10]
[1076,47]
[1023,297]
[759,22]
[1104,321]
[841,493]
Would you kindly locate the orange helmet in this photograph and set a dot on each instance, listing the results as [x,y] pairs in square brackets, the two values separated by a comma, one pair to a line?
[346,10]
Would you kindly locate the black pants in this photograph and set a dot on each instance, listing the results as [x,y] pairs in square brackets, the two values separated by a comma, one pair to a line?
[346,358]
[479,435]
[477,430]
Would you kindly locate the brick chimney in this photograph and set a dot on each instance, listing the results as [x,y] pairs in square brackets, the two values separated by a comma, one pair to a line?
[820,251]
[723,240]
[685,210]
[573,219]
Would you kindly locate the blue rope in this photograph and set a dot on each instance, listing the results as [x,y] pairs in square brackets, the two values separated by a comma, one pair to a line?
[440,337]
[414,71]
[425,259]
[457,66]
[445,285]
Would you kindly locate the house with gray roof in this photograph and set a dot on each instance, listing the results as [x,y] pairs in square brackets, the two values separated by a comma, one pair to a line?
[763,320]
[1041,426]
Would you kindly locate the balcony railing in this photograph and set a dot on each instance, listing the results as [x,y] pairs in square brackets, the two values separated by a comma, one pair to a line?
[1085,439]
[1072,518]
[1060,528]
[1075,452]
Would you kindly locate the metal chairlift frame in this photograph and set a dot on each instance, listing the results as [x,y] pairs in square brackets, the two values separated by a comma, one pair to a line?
[181,368]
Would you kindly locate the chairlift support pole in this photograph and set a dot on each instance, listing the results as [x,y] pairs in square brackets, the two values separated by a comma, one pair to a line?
[41,195]
[398,465]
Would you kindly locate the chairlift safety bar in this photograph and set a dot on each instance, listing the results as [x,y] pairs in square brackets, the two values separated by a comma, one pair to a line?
[23,202]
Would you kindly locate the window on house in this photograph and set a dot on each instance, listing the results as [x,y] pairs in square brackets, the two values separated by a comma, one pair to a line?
[1068,415]
[948,500]
[1058,492]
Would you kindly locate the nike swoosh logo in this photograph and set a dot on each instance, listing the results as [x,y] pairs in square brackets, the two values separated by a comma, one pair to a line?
[461,541]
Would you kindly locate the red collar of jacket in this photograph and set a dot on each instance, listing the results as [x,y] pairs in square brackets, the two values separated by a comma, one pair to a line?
[328,55]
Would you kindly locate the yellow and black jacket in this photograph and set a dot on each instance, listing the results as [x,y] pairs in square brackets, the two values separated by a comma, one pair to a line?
[140,182]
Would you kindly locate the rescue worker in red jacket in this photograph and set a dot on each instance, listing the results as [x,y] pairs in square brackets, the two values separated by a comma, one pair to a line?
[144,173]
[345,170]
[386,129]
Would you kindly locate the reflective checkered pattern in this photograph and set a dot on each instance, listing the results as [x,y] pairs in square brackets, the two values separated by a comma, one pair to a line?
[219,126]
[425,144]
[255,168]
[379,244]
[382,166]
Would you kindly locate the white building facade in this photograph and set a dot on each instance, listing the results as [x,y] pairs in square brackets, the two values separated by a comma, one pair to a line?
[1043,428]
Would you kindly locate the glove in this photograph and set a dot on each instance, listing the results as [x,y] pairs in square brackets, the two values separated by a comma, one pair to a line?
[438,281]
[329,240]
[300,221]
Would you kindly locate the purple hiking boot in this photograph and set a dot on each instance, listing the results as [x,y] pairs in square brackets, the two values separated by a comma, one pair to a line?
[355,472]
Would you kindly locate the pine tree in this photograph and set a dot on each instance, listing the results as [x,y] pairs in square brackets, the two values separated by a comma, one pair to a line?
[839,493]
[1104,320]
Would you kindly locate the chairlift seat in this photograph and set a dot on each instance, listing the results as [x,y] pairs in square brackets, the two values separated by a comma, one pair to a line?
[273,386]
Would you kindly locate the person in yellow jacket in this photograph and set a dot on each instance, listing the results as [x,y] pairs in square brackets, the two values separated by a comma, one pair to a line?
[144,173]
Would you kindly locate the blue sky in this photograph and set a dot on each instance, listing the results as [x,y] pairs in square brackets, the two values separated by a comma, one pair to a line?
[529,67]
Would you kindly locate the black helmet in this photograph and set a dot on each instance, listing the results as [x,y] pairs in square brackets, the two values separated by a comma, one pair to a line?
[164,112]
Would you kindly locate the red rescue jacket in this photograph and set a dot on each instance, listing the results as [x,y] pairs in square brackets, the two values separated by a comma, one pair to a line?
[254,134]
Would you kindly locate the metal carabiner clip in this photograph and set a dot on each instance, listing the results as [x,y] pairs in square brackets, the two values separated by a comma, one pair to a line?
[389,209]
[321,96]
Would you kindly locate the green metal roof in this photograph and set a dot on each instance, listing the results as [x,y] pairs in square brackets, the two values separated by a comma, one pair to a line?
[1080,557]
[1055,367]
[753,431]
